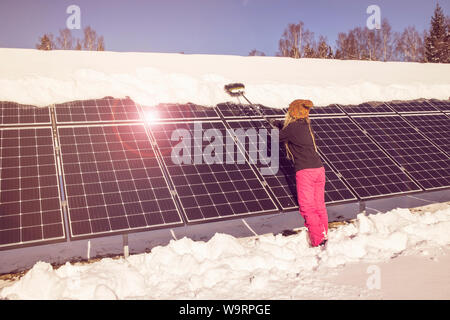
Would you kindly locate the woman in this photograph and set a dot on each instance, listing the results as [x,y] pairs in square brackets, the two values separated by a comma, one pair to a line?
[301,148]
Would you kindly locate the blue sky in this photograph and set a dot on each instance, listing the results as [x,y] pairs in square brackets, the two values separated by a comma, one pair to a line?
[202,26]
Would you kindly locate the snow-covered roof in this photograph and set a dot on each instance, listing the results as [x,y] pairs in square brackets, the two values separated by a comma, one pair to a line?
[45,77]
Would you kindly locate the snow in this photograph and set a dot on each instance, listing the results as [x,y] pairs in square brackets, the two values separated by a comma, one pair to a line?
[400,244]
[268,266]
[45,77]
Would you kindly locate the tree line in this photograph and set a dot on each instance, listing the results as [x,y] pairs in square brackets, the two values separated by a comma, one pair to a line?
[65,41]
[382,44]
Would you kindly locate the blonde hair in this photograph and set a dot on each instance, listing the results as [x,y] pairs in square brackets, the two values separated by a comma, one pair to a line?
[287,121]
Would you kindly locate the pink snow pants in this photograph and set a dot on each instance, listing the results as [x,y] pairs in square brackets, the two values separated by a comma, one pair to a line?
[311,199]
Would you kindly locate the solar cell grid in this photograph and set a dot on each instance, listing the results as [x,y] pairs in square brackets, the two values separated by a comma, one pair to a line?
[412,106]
[421,159]
[443,105]
[16,114]
[188,111]
[366,168]
[232,110]
[435,127]
[367,108]
[282,183]
[30,209]
[100,110]
[113,180]
[326,110]
[210,190]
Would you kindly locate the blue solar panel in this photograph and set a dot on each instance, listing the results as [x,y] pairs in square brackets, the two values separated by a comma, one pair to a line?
[421,159]
[435,127]
[178,111]
[329,110]
[367,108]
[231,110]
[412,107]
[367,169]
[17,114]
[443,105]
[113,181]
[30,208]
[210,190]
[99,110]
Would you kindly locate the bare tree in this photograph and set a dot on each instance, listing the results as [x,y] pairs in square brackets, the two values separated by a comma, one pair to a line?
[255,52]
[65,39]
[78,46]
[90,39]
[347,45]
[324,51]
[294,40]
[46,42]
[387,40]
[100,44]
[409,45]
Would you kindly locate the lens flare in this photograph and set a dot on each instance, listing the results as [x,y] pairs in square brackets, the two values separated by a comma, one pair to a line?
[150,116]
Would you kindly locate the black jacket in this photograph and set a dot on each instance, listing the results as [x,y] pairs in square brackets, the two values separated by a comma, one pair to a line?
[301,145]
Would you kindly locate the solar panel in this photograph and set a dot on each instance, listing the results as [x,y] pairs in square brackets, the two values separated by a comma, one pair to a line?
[412,106]
[113,180]
[30,208]
[100,110]
[366,168]
[209,189]
[435,127]
[421,159]
[16,114]
[326,110]
[282,183]
[188,111]
[443,105]
[366,108]
[233,110]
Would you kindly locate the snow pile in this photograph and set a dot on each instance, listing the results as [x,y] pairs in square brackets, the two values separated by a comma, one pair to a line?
[46,77]
[265,267]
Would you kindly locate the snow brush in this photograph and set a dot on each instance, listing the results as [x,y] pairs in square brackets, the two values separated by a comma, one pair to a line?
[238,90]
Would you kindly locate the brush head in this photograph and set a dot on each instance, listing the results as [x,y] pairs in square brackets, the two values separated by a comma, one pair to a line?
[235,89]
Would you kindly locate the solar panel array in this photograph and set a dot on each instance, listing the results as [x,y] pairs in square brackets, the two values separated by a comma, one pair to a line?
[412,106]
[231,110]
[104,168]
[281,181]
[176,111]
[209,188]
[325,110]
[95,111]
[367,108]
[16,114]
[443,106]
[113,180]
[367,169]
[422,160]
[30,208]
[435,127]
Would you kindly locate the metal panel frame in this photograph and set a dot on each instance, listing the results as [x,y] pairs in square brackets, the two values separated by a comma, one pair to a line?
[212,219]
[63,238]
[392,157]
[382,150]
[2,125]
[121,231]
